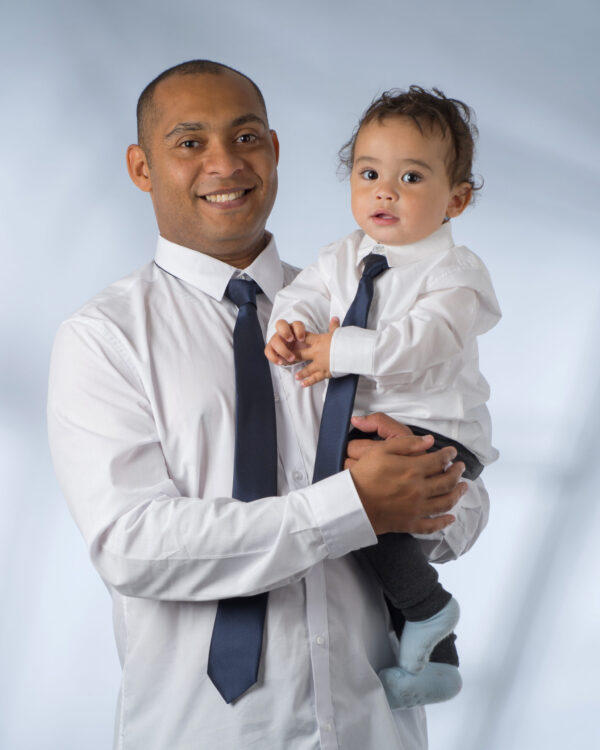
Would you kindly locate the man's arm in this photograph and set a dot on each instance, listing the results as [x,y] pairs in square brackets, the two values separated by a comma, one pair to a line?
[148,540]
[471,510]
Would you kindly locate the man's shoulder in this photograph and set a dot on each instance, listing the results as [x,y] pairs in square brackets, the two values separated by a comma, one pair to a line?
[121,292]
[118,304]
[289,272]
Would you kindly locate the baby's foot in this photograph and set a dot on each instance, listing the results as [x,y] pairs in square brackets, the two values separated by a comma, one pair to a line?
[418,639]
[434,683]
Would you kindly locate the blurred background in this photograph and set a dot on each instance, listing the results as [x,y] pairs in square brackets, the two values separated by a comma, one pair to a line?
[72,223]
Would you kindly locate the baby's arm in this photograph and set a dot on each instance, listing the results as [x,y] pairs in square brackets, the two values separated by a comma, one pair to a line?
[306,302]
[434,331]
[291,344]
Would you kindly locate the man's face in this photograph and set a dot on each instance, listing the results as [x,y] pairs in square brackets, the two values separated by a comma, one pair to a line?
[211,166]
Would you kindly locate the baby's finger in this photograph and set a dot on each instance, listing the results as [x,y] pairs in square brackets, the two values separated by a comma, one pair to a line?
[284,329]
[272,355]
[306,372]
[312,379]
[299,330]
[281,349]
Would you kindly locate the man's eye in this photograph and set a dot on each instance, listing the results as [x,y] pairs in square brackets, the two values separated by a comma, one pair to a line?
[411,177]
[369,174]
[189,144]
[247,138]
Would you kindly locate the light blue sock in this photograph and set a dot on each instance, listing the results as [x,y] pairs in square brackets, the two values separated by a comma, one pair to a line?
[434,683]
[418,639]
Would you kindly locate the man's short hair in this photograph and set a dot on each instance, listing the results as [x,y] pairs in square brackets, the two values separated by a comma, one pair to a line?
[427,109]
[191,67]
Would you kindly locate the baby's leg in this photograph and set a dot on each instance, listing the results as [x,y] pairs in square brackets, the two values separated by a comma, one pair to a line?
[411,585]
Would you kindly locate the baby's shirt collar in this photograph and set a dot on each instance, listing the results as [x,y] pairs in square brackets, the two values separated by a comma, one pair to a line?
[401,255]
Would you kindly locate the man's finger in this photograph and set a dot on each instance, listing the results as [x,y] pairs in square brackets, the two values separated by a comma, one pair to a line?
[430,464]
[406,445]
[382,424]
[446,482]
[431,525]
[357,448]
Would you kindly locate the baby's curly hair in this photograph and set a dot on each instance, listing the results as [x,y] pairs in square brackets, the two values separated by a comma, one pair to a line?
[427,109]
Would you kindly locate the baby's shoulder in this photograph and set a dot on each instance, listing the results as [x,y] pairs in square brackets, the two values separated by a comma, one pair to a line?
[461,267]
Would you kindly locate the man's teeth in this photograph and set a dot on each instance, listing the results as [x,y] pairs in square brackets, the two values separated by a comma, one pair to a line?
[223,197]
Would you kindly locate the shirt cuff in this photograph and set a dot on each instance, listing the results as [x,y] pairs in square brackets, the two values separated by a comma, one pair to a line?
[340,514]
[352,350]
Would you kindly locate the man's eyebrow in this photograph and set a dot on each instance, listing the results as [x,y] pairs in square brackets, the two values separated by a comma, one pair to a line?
[187,127]
[250,117]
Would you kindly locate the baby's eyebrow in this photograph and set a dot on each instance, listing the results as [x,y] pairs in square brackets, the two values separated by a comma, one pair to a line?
[419,163]
[408,162]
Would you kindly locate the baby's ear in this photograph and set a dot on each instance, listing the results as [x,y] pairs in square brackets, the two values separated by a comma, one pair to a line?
[460,197]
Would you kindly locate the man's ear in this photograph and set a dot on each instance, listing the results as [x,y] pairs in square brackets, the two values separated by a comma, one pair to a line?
[275,145]
[459,199]
[137,166]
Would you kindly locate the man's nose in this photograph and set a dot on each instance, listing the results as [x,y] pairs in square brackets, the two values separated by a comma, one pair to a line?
[220,159]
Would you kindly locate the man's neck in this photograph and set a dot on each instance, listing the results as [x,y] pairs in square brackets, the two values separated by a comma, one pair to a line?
[238,258]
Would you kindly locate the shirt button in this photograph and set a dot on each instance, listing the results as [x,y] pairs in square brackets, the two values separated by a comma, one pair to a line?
[298,475]
[276,398]
[320,640]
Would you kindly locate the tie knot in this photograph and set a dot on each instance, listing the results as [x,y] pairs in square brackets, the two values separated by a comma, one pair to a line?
[374,265]
[242,292]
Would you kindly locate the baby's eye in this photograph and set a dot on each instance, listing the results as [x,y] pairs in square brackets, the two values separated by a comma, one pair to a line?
[369,174]
[411,177]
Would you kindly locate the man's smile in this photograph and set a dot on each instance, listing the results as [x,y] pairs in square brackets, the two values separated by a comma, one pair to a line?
[226,196]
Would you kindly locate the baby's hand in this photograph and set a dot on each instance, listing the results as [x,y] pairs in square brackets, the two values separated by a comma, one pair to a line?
[316,348]
[283,346]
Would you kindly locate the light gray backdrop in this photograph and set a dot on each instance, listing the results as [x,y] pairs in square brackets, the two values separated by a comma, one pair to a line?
[72,223]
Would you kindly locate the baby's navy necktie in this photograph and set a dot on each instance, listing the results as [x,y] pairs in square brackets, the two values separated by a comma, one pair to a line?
[236,644]
[339,401]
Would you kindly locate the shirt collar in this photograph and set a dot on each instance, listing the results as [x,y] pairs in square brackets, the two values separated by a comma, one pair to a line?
[400,255]
[211,275]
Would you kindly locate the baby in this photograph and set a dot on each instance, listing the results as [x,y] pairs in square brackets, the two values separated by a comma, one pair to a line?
[410,163]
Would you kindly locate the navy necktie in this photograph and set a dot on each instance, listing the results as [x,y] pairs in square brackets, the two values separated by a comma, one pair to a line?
[236,643]
[339,401]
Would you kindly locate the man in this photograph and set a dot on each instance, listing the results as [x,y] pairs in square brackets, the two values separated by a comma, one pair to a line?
[142,429]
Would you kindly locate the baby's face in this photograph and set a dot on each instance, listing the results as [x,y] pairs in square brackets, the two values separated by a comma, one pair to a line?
[400,186]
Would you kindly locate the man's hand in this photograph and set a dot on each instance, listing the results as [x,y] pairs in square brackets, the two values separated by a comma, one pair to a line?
[400,486]
[284,345]
[317,347]
[385,427]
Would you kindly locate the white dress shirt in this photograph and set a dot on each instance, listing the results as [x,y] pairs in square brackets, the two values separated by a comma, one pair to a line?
[141,426]
[419,350]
